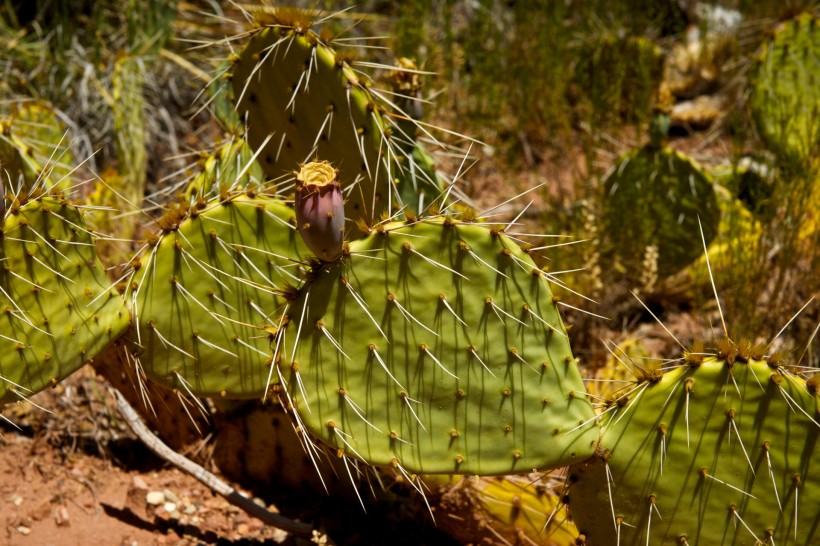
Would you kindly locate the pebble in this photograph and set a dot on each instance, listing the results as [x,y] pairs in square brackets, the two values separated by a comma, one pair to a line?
[170,507]
[61,517]
[23,530]
[170,497]
[155,498]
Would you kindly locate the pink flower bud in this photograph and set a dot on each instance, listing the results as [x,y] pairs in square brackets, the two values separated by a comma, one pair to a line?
[320,212]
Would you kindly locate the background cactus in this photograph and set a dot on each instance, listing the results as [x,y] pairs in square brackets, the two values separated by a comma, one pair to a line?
[785,99]
[35,147]
[525,509]
[656,198]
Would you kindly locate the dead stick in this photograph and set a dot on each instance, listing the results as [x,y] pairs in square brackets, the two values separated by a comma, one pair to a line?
[229,493]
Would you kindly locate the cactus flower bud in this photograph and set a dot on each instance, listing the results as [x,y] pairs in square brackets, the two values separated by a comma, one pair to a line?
[320,213]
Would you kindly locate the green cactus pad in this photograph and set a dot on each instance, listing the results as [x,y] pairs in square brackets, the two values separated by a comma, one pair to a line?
[654,198]
[436,347]
[34,146]
[292,87]
[59,309]
[219,100]
[209,289]
[222,170]
[785,96]
[712,453]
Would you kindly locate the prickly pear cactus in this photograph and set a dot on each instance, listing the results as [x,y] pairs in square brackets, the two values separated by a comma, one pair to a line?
[302,100]
[785,95]
[34,147]
[736,245]
[419,183]
[60,308]
[435,347]
[524,509]
[654,198]
[721,450]
[207,291]
[231,167]
[615,377]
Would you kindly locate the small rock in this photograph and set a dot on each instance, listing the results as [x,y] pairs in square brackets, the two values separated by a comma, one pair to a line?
[16,500]
[42,511]
[61,517]
[242,529]
[241,518]
[697,114]
[170,496]
[161,514]
[139,483]
[155,498]
[23,530]
[190,509]
[170,507]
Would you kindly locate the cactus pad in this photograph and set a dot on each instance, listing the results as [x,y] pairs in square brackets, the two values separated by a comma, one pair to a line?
[208,290]
[302,100]
[231,167]
[436,347]
[34,146]
[59,310]
[722,451]
[785,95]
[654,198]
[523,509]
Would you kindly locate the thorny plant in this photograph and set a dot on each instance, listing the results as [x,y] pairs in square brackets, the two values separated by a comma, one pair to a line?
[398,326]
